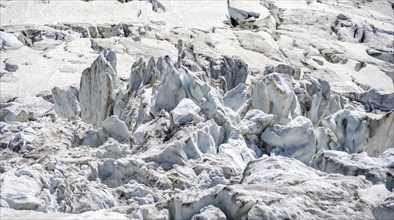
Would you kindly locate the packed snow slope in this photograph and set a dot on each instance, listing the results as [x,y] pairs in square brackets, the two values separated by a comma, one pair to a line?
[272,109]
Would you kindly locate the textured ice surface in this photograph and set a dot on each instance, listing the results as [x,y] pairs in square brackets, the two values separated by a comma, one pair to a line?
[196,109]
